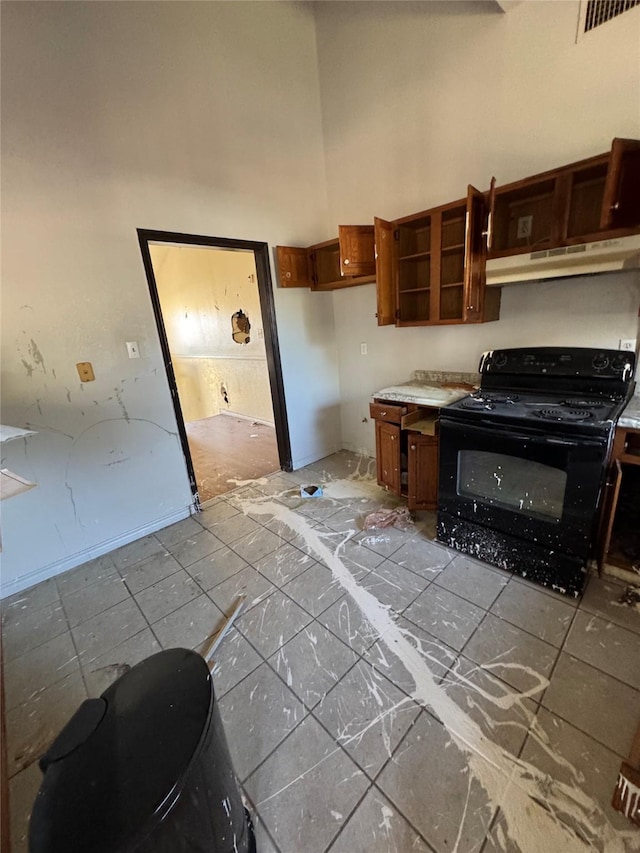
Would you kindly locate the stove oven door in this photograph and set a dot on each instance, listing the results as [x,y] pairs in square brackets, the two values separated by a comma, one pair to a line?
[532,486]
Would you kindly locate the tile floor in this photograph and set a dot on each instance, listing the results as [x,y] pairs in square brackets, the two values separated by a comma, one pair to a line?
[468,710]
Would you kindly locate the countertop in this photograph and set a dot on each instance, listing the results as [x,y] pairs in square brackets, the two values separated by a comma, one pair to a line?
[430,388]
[630,418]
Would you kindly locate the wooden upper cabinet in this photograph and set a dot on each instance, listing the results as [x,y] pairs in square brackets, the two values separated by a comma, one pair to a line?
[343,262]
[293,267]
[435,271]
[475,255]
[589,200]
[357,250]
[621,203]
[385,283]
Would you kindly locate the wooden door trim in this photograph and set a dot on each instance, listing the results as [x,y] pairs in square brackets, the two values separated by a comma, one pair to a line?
[267,307]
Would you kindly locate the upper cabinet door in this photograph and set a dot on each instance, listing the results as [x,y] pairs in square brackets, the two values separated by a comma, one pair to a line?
[475,255]
[488,232]
[293,267]
[385,284]
[621,202]
[356,250]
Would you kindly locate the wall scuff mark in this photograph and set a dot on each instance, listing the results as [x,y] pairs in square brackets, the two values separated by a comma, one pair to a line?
[36,355]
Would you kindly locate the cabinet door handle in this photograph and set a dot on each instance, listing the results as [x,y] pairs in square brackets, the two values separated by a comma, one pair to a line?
[615,206]
[382,414]
[413,447]
[346,262]
[393,438]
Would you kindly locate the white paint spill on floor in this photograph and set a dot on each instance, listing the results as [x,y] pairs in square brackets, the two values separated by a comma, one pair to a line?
[540,814]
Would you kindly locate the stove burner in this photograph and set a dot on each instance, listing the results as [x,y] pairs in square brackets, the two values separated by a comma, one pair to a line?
[478,403]
[566,415]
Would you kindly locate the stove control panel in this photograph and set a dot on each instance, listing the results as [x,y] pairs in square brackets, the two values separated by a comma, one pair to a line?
[555,361]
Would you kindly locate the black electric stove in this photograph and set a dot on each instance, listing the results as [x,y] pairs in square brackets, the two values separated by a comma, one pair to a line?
[522,460]
[581,391]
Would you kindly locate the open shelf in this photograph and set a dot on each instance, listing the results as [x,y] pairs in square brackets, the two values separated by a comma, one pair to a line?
[414,237]
[451,302]
[415,275]
[327,262]
[535,201]
[415,306]
[587,194]
[415,257]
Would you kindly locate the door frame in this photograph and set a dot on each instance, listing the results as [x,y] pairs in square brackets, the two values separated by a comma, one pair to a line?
[272,347]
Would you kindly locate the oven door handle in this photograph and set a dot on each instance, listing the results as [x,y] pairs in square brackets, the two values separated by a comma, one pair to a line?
[494,430]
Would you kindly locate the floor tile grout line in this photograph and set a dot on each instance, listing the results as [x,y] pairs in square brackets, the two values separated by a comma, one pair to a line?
[307,714]
[255,815]
[345,823]
[390,759]
[569,722]
[7,660]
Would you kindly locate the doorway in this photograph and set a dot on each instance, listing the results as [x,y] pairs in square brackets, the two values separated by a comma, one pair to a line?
[213,305]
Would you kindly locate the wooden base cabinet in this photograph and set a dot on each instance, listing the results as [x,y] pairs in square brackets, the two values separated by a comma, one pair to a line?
[406,460]
[422,485]
[625,464]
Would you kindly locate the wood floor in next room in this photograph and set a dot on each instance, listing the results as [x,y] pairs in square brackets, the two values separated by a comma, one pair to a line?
[226,450]
[380,693]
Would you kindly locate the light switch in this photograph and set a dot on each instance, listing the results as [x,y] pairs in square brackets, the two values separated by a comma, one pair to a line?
[85,371]
[132,349]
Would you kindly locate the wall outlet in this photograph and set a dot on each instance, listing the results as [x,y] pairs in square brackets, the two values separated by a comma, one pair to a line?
[132,349]
[525,227]
[627,344]
[363,349]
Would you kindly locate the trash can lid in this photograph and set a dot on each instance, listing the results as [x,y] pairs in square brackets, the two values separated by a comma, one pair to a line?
[119,764]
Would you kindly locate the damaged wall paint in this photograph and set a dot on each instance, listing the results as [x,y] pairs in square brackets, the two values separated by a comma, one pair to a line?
[70,248]
[211,385]
[200,290]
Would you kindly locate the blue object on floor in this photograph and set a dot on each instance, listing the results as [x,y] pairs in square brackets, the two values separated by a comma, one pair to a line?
[145,768]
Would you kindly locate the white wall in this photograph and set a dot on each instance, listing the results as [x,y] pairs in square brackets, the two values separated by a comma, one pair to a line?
[201,118]
[420,99]
[199,290]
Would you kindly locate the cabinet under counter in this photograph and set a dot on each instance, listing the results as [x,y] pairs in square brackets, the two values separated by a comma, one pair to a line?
[407,451]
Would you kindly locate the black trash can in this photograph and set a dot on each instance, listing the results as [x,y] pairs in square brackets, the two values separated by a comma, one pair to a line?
[143,769]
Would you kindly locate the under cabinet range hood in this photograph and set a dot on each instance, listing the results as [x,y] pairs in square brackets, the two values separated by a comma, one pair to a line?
[617,254]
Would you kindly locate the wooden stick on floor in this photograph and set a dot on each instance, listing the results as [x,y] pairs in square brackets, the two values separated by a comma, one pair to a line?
[208,654]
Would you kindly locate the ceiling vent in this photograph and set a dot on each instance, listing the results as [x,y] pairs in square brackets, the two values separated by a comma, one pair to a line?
[594,13]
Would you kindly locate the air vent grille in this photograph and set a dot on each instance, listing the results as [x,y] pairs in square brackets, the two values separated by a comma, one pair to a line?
[600,11]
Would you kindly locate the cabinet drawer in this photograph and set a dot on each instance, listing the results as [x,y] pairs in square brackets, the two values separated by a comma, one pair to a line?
[423,421]
[391,412]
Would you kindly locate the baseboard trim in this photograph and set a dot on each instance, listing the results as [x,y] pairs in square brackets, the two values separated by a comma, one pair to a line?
[57,568]
[314,457]
[246,418]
